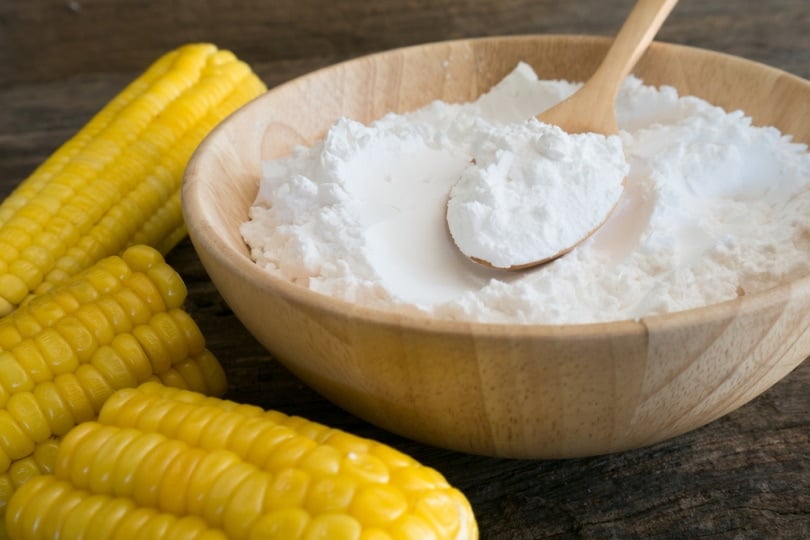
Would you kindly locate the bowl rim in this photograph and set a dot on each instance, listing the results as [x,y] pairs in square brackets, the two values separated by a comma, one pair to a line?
[204,236]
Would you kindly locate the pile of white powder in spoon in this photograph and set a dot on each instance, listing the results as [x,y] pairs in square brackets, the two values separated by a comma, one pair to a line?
[713,207]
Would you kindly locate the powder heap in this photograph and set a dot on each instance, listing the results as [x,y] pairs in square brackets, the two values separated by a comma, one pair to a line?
[533,191]
[712,207]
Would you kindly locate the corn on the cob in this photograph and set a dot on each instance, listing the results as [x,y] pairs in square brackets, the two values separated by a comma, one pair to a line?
[158,453]
[28,189]
[117,182]
[65,352]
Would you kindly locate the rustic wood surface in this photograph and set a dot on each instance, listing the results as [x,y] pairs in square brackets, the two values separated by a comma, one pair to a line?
[746,475]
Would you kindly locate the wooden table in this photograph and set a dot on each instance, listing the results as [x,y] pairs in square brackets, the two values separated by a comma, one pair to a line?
[746,475]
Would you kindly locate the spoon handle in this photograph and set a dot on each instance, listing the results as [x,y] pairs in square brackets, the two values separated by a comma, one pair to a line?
[591,108]
[635,36]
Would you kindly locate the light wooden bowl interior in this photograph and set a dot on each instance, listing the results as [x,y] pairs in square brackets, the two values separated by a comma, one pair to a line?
[518,391]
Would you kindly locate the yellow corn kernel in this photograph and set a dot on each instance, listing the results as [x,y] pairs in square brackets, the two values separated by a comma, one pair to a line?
[365,467]
[222,491]
[56,410]
[81,340]
[5,461]
[288,452]
[439,508]
[172,377]
[150,293]
[14,289]
[348,443]
[74,396]
[138,311]
[253,474]
[335,526]
[129,350]
[302,426]
[283,524]
[113,368]
[141,258]
[322,460]
[25,410]
[115,314]
[246,504]
[107,274]
[22,470]
[103,186]
[93,318]
[13,378]
[96,387]
[267,439]
[109,516]
[210,372]
[106,459]
[9,335]
[191,332]
[379,504]
[172,288]
[30,359]
[45,455]
[7,489]
[45,311]
[331,493]
[73,293]
[153,346]
[29,273]
[56,351]
[191,373]
[123,474]
[14,441]
[26,324]
[412,526]
[170,334]
[415,477]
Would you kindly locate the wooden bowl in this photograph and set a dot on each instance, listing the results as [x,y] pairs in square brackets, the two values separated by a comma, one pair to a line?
[531,391]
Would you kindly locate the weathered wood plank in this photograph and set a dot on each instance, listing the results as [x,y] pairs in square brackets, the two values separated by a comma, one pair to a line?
[746,475]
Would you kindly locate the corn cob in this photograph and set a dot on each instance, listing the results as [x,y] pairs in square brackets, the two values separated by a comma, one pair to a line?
[63,353]
[28,189]
[232,471]
[117,182]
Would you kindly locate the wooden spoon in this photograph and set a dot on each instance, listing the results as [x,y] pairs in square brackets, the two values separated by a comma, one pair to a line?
[592,107]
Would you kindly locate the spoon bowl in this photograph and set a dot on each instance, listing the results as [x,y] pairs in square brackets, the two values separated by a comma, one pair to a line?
[514,239]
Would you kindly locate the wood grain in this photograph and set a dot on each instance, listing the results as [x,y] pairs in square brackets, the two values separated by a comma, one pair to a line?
[46,40]
[744,476]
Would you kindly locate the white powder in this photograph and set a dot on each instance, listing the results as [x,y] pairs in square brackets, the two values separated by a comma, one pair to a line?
[533,191]
[712,206]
